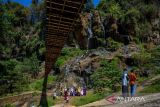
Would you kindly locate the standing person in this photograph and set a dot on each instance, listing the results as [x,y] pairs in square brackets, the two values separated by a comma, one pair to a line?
[79,91]
[132,80]
[71,91]
[125,83]
[84,91]
[74,91]
[66,95]
[54,95]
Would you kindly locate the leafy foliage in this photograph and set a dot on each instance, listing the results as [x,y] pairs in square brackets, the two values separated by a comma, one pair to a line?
[153,88]
[143,57]
[67,54]
[106,76]
[37,84]
[19,47]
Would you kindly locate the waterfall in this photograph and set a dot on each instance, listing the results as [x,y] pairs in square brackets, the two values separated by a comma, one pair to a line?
[103,28]
[89,29]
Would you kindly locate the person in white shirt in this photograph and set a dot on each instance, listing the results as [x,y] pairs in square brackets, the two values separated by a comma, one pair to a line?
[125,83]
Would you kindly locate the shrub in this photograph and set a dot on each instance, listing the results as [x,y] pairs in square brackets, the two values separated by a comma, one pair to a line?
[113,45]
[153,88]
[148,11]
[37,85]
[107,75]
[9,105]
[67,54]
[141,58]
[115,10]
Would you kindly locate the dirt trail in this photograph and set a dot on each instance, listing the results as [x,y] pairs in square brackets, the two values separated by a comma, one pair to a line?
[104,102]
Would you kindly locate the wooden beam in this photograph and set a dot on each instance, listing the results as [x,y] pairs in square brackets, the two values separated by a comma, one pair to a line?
[54,20]
[57,30]
[55,40]
[62,4]
[56,33]
[58,16]
[79,11]
[74,2]
[52,8]
[63,28]
[56,37]
[64,25]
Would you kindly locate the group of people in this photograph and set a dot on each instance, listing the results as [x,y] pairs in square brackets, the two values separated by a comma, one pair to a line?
[128,79]
[81,91]
[72,91]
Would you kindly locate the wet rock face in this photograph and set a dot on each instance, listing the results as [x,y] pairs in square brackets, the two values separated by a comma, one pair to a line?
[98,28]
[93,27]
[90,29]
[77,72]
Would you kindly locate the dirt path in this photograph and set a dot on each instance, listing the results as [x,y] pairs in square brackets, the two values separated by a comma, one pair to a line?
[104,102]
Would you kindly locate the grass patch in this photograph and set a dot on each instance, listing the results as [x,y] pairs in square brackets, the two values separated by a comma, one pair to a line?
[37,85]
[153,88]
[140,80]
[9,105]
[91,97]
[51,102]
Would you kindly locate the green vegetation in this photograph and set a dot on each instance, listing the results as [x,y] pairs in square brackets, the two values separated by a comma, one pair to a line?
[21,46]
[9,105]
[91,97]
[133,17]
[107,76]
[153,88]
[148,59]
[37,84]
[113,45]
[67,54]
[143,57]
[155,61]
[51,102]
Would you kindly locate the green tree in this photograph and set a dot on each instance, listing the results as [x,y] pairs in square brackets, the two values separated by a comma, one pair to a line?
[89,6]
[106,76]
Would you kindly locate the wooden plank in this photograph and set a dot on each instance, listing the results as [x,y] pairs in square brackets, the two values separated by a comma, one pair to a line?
[74,2]
[56,37]
[58,27]
[58,16]
[63,28]
[54,41]
[57,24]
[54,20]
[79,10]
[54,30]
[62,5]
[52,8]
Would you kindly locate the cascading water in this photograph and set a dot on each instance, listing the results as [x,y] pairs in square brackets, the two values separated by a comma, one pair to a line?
[103,28]
[67,70]
[89,28]
[94,21]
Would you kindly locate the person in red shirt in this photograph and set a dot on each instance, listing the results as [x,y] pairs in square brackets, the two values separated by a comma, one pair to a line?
[132,82]
[66,98]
